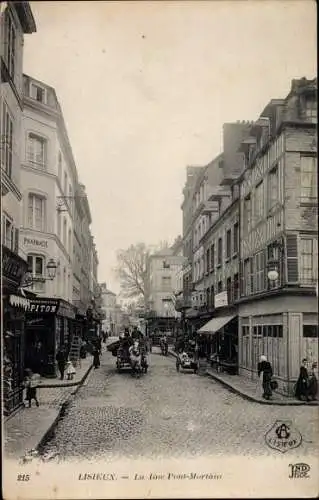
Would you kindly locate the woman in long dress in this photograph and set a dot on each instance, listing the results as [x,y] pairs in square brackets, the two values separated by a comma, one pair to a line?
[265,375]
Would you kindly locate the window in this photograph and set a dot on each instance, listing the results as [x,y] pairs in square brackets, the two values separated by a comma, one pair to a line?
[166,283]
[37,92]
[166,265]
[273,188]
[259,201]
[308,169]
[8,233]
[9,44]
[219,287]
[36,152]
[229,291]
[212,257]
[36,207]
[236,238]
[70,243]
[220,252]
[308,260]
[260,272]
[228,244]
[212,296]
[236,286]
[208,297]
[64,232]
[6,146]
[247,214]
[246,281]
[207,260]
[36,268]
[310,331]
[60,166]
[272,331]
[273,254]
[311,109]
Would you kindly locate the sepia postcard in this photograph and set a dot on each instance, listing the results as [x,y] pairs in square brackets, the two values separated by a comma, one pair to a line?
[159,249]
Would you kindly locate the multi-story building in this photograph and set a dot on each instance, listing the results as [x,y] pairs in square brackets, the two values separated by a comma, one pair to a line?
[49,180]
[16,20]
[109,324]
[163,269]
[278,309]
[86,291]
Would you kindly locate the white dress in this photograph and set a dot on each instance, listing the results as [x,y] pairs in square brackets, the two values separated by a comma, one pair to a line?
[259,386]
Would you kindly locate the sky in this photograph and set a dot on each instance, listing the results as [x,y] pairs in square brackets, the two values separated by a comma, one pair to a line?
[145,88]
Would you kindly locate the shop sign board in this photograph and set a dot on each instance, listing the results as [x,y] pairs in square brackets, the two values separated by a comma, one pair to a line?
[43,306]
[35,242]
[221,300]
[13,267]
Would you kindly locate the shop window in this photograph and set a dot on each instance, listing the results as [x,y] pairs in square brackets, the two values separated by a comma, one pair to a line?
[310,331]
[257,331]
[245,331]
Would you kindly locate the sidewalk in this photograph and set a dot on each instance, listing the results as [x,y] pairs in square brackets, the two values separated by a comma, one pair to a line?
[25,429]
[247,388]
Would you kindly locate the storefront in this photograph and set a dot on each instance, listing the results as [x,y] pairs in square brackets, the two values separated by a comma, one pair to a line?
[14,304]
[50,324]
[221,331]
[285,329]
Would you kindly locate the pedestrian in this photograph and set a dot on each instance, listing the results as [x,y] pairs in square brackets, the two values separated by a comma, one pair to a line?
[61,359]
[70,370]
[265,374]
[313,382]
[31,382]
[96,358]
[302,386]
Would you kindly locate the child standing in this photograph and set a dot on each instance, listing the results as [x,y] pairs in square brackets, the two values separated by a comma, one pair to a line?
[70,370]
[31,383]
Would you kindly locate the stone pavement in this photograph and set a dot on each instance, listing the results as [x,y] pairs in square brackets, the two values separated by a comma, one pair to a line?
[25,429]
[164,414]
[248,388]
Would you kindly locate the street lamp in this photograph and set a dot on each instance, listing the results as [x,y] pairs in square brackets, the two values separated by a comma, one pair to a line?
[51,268]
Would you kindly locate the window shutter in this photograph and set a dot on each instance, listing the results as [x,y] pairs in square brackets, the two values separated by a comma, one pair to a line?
[292,258]
[16,241]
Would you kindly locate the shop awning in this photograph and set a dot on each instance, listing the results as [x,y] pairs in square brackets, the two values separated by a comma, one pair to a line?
[215,324]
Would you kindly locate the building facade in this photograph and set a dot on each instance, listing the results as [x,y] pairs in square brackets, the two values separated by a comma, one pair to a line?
[49,179]
[163,271]
[279,233]
[109,307]
[16,20]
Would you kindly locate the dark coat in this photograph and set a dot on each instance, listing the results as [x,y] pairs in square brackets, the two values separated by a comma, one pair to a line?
[265,367]
[302,383]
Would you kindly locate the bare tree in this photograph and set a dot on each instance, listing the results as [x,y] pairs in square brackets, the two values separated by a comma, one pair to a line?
[131,270]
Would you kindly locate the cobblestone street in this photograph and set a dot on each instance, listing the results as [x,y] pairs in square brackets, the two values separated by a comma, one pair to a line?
[165,413]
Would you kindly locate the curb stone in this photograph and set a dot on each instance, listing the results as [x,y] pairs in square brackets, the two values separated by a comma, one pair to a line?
[248,397]
[62,410]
